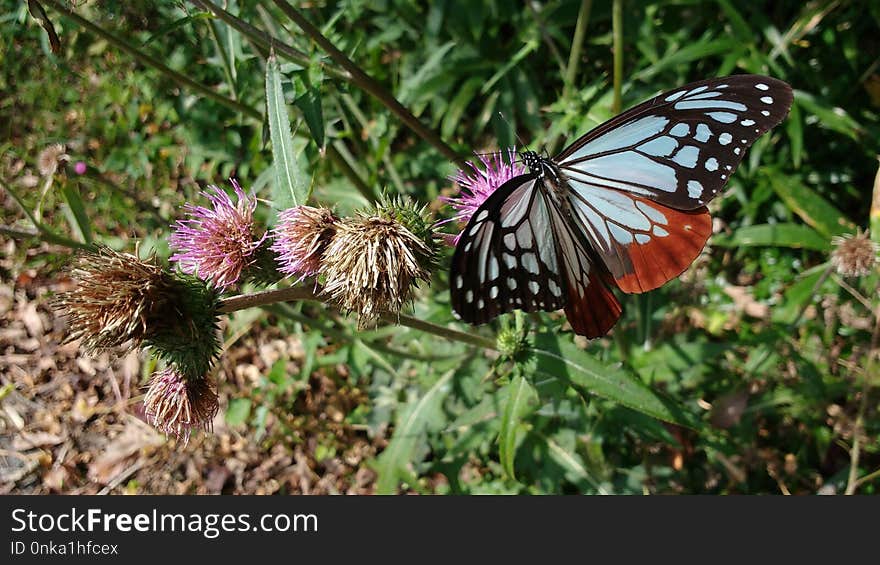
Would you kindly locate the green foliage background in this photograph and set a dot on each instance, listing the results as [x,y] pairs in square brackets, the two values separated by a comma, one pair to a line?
[773,377]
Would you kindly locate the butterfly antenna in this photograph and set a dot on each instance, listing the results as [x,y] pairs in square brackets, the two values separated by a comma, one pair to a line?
[522,143]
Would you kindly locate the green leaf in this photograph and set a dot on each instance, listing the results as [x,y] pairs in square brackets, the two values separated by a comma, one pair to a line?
[309,103]
[290,188]
[794,127]
[238,412]
[797,236]
[696,51]
[411,426]
[810,206]
[832,118]
[561,358]
[799,293]
[78,216]
[520,400]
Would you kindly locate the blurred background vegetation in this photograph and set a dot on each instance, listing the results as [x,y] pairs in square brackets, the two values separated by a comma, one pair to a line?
[764,346]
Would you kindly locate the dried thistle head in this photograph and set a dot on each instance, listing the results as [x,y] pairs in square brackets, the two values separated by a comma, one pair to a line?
[49,159]
[854,255]
[177,405]
[375,259]
[218,243]
[121,299]
[301,238]
[117,298]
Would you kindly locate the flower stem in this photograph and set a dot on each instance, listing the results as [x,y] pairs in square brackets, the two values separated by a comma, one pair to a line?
[617,32]
[368,83]
[265,297]
[574,56]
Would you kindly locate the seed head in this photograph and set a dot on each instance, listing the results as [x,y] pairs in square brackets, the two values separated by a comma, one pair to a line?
[301,238]
[854,255]
[177,405]
[374,260]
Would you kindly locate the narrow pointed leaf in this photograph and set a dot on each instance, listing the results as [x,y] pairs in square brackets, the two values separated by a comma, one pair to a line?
[290,186]
[561,358]
[522,395]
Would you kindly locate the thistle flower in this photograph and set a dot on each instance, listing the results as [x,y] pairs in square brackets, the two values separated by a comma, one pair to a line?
[373,261]
[478,183]
[117,298]
[80,168]
[854,255]
[49,159]
[217,244]
[177,405]
[301,238]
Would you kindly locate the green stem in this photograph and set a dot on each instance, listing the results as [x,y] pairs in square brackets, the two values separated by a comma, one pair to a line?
[265,40]
[265,297]
[617,31]
[577,43]
[368,83]
[852,482]
[42,230]
[135,52]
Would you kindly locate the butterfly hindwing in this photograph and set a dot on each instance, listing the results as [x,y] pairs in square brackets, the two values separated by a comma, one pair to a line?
[681,147]
[642,243]
[506,257]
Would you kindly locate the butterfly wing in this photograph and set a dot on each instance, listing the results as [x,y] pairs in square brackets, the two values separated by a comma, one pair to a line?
[506,257]
[639,183]
[518,251]
[679,148]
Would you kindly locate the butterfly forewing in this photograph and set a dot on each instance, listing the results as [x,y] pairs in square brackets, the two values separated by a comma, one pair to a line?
[681,147]
[506,257]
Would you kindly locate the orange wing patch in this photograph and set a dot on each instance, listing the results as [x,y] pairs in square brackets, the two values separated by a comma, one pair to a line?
[650,262]
[592,311]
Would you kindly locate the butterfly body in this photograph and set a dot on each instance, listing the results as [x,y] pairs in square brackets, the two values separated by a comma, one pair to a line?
[624,206]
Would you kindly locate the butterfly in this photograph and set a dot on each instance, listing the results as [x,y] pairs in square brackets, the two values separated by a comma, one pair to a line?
[623,206]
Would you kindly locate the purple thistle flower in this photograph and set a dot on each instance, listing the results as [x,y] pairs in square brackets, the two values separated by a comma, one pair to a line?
[217,243]
[478,183]
[177,406]
[80,168]
[301,236]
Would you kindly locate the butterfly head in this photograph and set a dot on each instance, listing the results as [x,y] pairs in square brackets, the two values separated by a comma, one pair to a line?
[538,165]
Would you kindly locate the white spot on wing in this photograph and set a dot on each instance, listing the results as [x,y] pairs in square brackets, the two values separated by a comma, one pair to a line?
[703,133]
[723,117]
[620,137]
[695,189]
[642,238]
[652,213]
[725,138]
[510,241]
[534,287]
[710,105]
[711,164]
[674,96]
[620,234]
[663,146]
[680,130]
[748,122]
[762,86]
[530,263]
[660,232]
[687,156]
[767,99]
